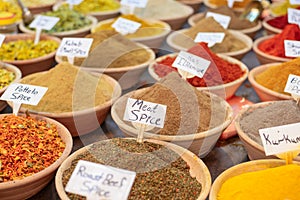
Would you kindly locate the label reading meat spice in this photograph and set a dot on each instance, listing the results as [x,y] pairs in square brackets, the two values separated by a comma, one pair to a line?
[293,85]
[293,16]
[292,48]
[145,112]
[96,181]
[2,38]
[125,26]
[280,139]
[135,3]
[74,47]
[210,38]
[191,63]
[221,19]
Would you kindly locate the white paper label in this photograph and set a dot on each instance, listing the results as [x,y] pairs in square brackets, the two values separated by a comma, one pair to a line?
[210,38]
[135,3]
[280,139]
[125,26]
[191,63]
[145,112]
[74,47]
[44,22]
[23,93]
[294,2]
[221,19]
[293,85]
[96,181]
[292,48]
[2,38]
[74,2]
[293,16]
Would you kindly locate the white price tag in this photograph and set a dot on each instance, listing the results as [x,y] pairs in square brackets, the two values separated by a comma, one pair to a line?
[125,26]
[24,94]
[2,38]
[294,2]
[145,112]
[293,85]
[74,47]
[210,38]
[74,2]
[280,139]
[191,63]
[135,3]
[293,16]
[44,22]
[224,20]
[292,48]
[96,181]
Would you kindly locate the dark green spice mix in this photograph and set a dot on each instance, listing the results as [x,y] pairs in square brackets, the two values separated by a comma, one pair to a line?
[161,173]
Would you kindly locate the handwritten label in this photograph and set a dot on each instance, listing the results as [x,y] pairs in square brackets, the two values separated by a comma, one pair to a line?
[280,139]
[210,38]
[135,3]
[293,16]
[191,63]
[76,47]
[125,26]
[44,22]
[2,38]
[293,84]
[221,19]
[292,48]
[96,181]
[23,93]
[145,112]
[294,2]
[231,2]
[74,2]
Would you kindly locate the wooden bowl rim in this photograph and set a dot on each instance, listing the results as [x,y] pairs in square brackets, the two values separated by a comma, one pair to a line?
[269,27]
[13,69]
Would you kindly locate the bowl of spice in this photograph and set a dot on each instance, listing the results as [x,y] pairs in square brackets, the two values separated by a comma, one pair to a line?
[270,49]
[264,115]
[269,80]
[274,25]
[20,50]
[38,6]
[71,23]
[238,6]
[234,44]
[163,170]
[151,33]
[194,119]
[100,9]
[223,77]
[121,58]
[78,99]
[195,4]
[11,7]
[259,179]
[33,148]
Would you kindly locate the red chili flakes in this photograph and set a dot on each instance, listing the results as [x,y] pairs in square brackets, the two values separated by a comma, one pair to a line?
[27,146]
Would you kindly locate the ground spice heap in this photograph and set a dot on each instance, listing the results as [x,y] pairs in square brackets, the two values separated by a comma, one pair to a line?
[275,77]
[6,77]
[275,45]
[276,113]
[219,72]
[278,182]
[189,111]
[236,4]
[28,146]
[69,89]
[161,173]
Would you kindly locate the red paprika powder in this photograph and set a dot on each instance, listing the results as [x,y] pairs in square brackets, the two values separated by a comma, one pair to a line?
[279,22]
[219,72]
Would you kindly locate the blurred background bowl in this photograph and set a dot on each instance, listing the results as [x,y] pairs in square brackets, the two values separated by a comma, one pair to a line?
[39,8]
[270,30]
[195,4]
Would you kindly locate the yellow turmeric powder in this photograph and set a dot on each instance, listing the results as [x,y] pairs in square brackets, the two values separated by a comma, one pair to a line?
[275,77]
[237,4]
[273,183]
[146,29]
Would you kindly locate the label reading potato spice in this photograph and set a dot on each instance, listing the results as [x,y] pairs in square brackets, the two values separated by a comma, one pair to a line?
[44,22]
[210,38]
[96,181]
[2,38]
[135,3]
[293,16]
[74,47]
[292,48]
[125,26]
[221,19]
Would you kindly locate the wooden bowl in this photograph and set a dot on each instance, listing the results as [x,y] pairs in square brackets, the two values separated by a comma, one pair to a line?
[198,143]
[270,30]
[84,121]
[29,186]
[265,94]
[251,32]
[126,76]
[197,168]
[189,42]
[236,170]
[73,33]
[225,91]
[254,149]
[36,64]
[263,57]
[195,4]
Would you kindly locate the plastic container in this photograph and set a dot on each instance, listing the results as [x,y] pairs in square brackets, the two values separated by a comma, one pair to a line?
[7,23]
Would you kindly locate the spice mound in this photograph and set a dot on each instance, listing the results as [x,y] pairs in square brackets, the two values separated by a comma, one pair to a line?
[26,49]
[89,6]
[275,77]
[161,173]
[219,72]
[276,113]
[189,110]
[12,7]
[236,4]
[69,89]
[6,77]
[28,146]
[273,183]
[37,3]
